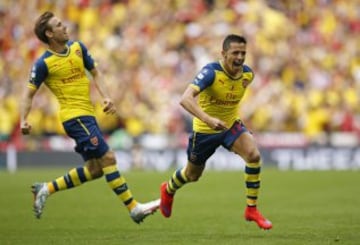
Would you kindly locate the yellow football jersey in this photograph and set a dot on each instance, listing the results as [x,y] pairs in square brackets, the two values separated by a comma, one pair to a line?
[220,94]
[65,75]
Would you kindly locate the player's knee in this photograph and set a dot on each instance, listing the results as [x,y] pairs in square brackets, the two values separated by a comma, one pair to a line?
[95,171]
[94,168]
[108,159]
[253,156]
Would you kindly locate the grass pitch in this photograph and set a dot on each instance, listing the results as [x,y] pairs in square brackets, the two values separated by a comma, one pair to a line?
[305,208]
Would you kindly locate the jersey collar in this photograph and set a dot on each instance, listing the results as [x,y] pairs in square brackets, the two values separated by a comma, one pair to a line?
[233,78]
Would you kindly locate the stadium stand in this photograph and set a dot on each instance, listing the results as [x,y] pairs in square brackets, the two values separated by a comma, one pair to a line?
[305,54]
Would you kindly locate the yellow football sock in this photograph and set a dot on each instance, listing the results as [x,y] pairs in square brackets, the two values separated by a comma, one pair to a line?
[252,181]
[177,180]
[73,178]
[118,184]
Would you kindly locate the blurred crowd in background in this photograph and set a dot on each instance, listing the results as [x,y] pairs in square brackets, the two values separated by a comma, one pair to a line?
[305,55]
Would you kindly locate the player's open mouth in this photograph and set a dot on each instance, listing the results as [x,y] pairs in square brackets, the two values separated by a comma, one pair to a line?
[237,63]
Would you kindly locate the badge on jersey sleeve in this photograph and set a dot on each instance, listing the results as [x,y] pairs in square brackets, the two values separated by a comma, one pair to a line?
[33,74]
[200,76]
[94,140]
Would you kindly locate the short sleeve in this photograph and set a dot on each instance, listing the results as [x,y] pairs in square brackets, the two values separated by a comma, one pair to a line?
[204,78]
[38,73]
[89,63]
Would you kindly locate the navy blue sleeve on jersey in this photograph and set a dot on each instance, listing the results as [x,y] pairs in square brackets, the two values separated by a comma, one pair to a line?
[39,72]
[204,78]
[247,69]
[89,63]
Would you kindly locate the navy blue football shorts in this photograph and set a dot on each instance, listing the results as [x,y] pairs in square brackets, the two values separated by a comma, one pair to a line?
[201,146]
[90,142]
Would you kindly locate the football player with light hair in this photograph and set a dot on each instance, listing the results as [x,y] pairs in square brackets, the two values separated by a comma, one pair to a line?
[62,68]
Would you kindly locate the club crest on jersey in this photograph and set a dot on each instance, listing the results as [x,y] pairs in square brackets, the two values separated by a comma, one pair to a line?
[94,140]
[78,53]
[245,83]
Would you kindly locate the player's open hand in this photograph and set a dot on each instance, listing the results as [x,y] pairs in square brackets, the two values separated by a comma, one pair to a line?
[25,128]
[109,107]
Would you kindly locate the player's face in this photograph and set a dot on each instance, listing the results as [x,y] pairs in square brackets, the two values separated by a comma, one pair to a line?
[234,57]
[57,31]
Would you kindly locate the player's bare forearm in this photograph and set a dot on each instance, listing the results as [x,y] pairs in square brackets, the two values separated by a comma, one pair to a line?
[189,103]
[196,111]
[25,108]
[109,106]
[99,85]
[26,103]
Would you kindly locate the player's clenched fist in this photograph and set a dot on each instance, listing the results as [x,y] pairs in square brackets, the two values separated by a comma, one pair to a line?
[109,107]
[25,127]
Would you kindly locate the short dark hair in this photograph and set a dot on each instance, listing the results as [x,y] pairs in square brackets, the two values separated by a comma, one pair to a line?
[232,38]
[41,26]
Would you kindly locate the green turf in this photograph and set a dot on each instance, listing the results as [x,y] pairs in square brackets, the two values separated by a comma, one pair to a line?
[305,208]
